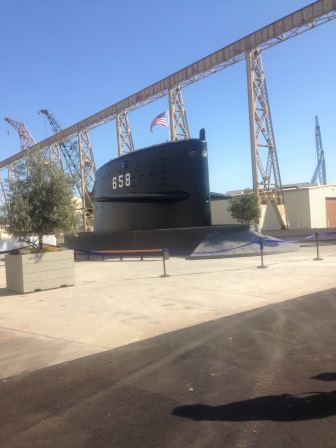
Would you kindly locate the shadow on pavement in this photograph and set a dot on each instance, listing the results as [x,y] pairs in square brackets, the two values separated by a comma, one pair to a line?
[279,408]
[327,376]
[4,292]
[134,395]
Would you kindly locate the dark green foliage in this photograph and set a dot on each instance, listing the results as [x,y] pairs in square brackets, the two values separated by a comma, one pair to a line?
[245,208]
[40,202]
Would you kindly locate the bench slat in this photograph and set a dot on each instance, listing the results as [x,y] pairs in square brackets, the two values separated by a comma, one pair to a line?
[121,253]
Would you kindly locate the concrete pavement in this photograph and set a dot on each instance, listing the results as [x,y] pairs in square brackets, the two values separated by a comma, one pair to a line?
[126,358]
[116,303]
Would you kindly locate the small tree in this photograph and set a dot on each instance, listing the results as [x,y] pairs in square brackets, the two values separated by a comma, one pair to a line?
[40,201]
[245,208]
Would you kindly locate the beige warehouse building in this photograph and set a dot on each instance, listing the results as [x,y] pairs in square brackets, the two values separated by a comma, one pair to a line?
[308,207]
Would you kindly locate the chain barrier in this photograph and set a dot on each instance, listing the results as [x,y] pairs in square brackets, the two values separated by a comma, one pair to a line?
[13,250]
[261,241]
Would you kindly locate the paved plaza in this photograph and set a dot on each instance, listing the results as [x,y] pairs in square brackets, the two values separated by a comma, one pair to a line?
[220,353]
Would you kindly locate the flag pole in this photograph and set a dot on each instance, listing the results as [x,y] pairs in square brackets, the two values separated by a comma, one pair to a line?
[168,122]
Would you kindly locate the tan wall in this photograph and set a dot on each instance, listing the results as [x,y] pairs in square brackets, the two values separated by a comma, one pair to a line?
[298,208]
[219,213]
[268,219]
[306,209]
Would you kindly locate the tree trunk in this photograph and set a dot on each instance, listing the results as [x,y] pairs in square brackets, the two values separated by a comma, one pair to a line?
[40,241]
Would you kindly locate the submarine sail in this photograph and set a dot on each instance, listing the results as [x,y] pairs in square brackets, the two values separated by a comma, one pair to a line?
[160,187]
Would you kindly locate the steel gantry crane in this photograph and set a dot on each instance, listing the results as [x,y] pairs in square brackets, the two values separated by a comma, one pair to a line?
[262,136]
[80,162]
[178,125]
[50,154]
[26,139]
[18,169]
[3,199]
[124,135]
[177,115]
[294,24]
[320,170]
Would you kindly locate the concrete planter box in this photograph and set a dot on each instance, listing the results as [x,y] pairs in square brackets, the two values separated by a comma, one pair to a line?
[38,272]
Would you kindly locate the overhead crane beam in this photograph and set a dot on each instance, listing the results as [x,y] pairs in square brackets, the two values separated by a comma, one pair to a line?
[292,25]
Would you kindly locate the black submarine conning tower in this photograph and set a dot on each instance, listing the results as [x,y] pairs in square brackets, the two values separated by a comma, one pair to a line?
[163,186]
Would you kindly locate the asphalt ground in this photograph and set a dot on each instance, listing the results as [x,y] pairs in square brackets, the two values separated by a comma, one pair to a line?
[219,354]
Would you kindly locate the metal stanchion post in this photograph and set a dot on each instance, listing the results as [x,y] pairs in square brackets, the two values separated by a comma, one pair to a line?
[317,249]
[165,255]
[261,243]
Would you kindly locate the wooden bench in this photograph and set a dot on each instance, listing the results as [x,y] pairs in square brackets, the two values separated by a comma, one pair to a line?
[123,253]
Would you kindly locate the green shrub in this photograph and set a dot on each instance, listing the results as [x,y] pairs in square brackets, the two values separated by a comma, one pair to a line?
[245,207]
[37,250]
[40,201]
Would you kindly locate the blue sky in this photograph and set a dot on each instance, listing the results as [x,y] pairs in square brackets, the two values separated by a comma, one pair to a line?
[77,57]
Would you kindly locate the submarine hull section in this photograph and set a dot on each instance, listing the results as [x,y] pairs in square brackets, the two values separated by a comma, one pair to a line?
[165,186]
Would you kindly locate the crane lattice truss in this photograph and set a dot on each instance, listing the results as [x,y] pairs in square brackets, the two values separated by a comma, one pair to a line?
[26,139]
[51,154]
[307,18]
[124,135]
[18,168]
[79,160]
[3,197]
[177,115]
[320,170]
[87,176]
[262,137]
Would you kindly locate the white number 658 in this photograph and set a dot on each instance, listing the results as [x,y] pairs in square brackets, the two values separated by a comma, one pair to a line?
[119,182]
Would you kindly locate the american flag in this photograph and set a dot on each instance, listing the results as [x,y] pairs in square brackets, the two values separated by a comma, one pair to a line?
[159,120]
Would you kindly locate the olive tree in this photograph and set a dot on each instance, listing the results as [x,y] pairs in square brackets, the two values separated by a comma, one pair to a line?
[245,207]
[40,201]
